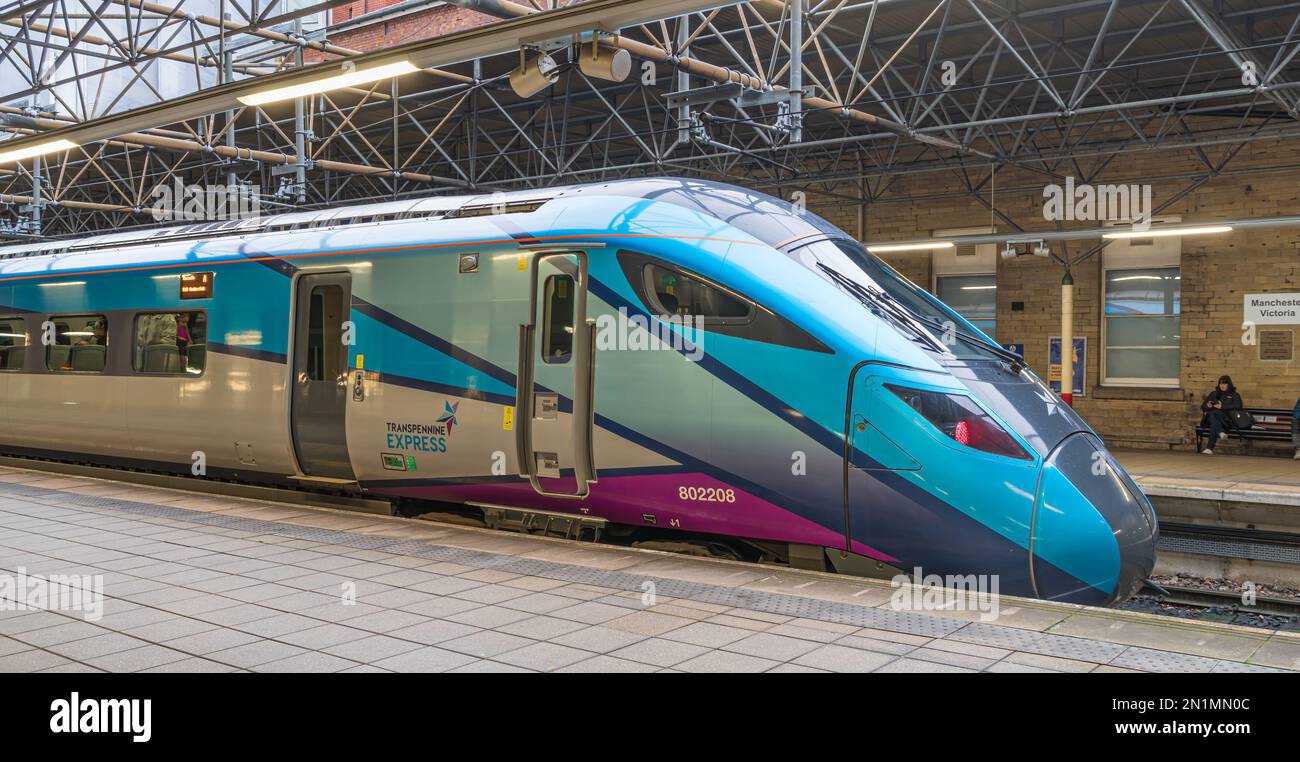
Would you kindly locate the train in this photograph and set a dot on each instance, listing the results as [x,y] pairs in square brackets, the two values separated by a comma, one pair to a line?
[677,360]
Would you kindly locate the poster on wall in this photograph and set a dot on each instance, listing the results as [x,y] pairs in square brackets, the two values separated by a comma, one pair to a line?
[1080,364]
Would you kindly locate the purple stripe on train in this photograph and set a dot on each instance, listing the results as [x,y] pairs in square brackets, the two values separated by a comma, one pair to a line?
[702,503]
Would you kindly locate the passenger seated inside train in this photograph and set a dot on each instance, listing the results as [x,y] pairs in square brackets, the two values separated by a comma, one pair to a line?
[83,349]
[171,342]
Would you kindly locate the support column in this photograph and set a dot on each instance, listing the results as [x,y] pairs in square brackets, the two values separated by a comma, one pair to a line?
[796,71]
[1067,339]
[299,129]
[683,80]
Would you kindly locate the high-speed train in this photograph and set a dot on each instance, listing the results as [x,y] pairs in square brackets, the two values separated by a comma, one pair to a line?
[675,358]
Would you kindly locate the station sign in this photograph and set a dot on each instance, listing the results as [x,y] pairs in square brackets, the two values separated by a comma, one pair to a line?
[1271,309]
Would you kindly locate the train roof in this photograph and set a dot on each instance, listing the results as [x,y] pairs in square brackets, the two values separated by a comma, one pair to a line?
[767,218]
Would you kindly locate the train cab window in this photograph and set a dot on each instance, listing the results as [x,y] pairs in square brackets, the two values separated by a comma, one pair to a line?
[171,343]
[13,343]
[325,348]
[557,319]
[676,293]
[80,344]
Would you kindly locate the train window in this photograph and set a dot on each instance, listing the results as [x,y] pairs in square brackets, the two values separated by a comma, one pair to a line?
[960,419]
[677,293]
[171,342]
[13,343]
[557,320]
[325,355]
[80,344]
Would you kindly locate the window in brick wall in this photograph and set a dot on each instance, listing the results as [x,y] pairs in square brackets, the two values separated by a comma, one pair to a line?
[974,297]
[1140,331]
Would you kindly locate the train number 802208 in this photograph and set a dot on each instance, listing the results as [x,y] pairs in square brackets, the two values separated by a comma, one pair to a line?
[707,494]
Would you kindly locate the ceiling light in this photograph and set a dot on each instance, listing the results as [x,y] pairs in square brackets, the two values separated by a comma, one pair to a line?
[38,149]
[609,64]
[1166,232]
[910,246]
[534,76]
[349,78]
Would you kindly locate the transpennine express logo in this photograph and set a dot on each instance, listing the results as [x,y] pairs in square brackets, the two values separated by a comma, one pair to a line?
[423,437]
[449,415]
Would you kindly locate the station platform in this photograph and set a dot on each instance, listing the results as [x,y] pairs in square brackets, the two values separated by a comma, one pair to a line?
[208,583]
[1243,478]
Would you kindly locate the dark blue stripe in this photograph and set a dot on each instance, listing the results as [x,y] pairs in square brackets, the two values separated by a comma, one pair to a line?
[248,352]
[446,389]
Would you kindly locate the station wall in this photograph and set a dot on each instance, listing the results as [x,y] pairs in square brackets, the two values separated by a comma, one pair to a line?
[1216,272]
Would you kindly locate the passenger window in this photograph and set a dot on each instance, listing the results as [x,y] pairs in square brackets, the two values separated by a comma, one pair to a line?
[13,343]
[171,342]
[325,333]
[681,294]
[80,344]
[557,320]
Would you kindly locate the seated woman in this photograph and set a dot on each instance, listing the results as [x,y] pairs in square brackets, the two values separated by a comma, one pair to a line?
[1215,410]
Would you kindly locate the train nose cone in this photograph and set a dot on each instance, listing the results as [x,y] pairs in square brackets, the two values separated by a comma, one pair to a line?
[1094,532]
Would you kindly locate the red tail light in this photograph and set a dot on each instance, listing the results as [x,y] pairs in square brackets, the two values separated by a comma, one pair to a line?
[962,433]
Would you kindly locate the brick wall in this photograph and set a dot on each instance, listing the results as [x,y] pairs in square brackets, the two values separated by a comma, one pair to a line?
[1216,272]
[433,22]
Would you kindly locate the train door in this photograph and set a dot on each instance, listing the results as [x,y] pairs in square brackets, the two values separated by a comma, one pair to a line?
[869,450]
[320,365]
[555,388]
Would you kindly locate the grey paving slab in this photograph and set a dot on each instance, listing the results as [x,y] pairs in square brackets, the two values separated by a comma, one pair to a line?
[426,659]
[660,652]
[31,660]
[605,663]
[723,661]
[486,644]
[544,657]
[598,639]
[834,658]
[136,659]
[253,654]
[312,661]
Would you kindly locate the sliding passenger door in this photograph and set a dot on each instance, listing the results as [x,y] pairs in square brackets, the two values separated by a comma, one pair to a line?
[556,378]
[320,385]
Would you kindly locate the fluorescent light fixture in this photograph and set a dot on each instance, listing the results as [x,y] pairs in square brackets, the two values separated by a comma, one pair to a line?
[911,246]
[64,283]
[38,149]
[1166,232]
[978,288]
[345,79]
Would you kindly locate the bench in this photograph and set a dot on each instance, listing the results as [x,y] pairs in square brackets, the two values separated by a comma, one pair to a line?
[1271,424]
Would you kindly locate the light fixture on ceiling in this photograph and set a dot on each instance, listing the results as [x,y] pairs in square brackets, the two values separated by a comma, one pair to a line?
[37,149]
[350,77]
[1166,232]
[927,246]
[533,75]
[609,64]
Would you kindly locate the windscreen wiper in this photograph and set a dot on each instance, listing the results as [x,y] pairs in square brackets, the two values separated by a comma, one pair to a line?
[1017,362]
[881,297]
[884,304]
